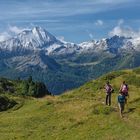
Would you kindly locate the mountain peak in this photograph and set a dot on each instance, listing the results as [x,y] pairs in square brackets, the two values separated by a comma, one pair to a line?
[38,30]
[41,35]
[36,38]
[116,41]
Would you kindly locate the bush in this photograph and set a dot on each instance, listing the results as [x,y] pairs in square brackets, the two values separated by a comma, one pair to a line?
[40,89]
[6,85]
[35,89]
[6,103]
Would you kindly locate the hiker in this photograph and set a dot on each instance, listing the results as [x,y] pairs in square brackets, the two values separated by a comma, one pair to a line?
[121,103]
[109,90]
[124,90]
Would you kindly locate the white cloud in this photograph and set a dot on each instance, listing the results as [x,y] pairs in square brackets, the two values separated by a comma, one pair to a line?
[12,30]
[99,23]
[120,22]
[91,35]
[122,30]
[16,30]
[61,38]
[4,36]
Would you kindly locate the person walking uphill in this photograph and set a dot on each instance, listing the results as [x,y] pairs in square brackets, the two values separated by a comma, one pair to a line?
[109,90]
[124,90]
[121,103]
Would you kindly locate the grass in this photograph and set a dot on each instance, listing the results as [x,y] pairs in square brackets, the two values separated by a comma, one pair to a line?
[79,114]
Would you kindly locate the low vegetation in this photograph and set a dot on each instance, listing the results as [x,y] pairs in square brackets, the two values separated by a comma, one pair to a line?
[23,87]
[79,114]
[6,103]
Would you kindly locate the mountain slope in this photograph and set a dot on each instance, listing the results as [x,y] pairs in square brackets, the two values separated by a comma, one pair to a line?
[64,65]
[78,114]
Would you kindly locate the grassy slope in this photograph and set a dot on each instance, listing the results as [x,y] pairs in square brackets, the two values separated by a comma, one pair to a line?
[77,115]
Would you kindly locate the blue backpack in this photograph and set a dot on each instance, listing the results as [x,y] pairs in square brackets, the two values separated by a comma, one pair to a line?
[121,99]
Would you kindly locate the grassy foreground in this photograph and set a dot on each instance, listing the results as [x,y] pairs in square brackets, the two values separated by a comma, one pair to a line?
[76,115]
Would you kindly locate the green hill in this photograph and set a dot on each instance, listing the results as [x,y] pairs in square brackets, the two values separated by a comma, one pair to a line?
[79,114]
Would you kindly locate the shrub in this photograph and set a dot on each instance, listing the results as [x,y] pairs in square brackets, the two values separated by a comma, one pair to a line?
[35,89]
[6,103]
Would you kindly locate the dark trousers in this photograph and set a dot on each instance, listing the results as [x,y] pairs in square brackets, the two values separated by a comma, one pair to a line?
[108,99]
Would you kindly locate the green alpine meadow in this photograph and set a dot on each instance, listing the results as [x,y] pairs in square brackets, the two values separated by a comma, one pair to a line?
[79,114]
[69,70]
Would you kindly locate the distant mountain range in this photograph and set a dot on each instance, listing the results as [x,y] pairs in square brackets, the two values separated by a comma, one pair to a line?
[64,65]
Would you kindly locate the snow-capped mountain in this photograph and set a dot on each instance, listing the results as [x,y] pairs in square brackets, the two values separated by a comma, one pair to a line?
[34,39]
[94,46]
[39,39]
[113,45]
[28,49]
[65,65]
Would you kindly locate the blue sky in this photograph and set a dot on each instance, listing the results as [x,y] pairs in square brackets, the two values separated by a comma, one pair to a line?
[72,20]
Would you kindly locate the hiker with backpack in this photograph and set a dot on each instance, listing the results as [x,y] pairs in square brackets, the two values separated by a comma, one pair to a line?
[121,103]
[124,90]
[109,90]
